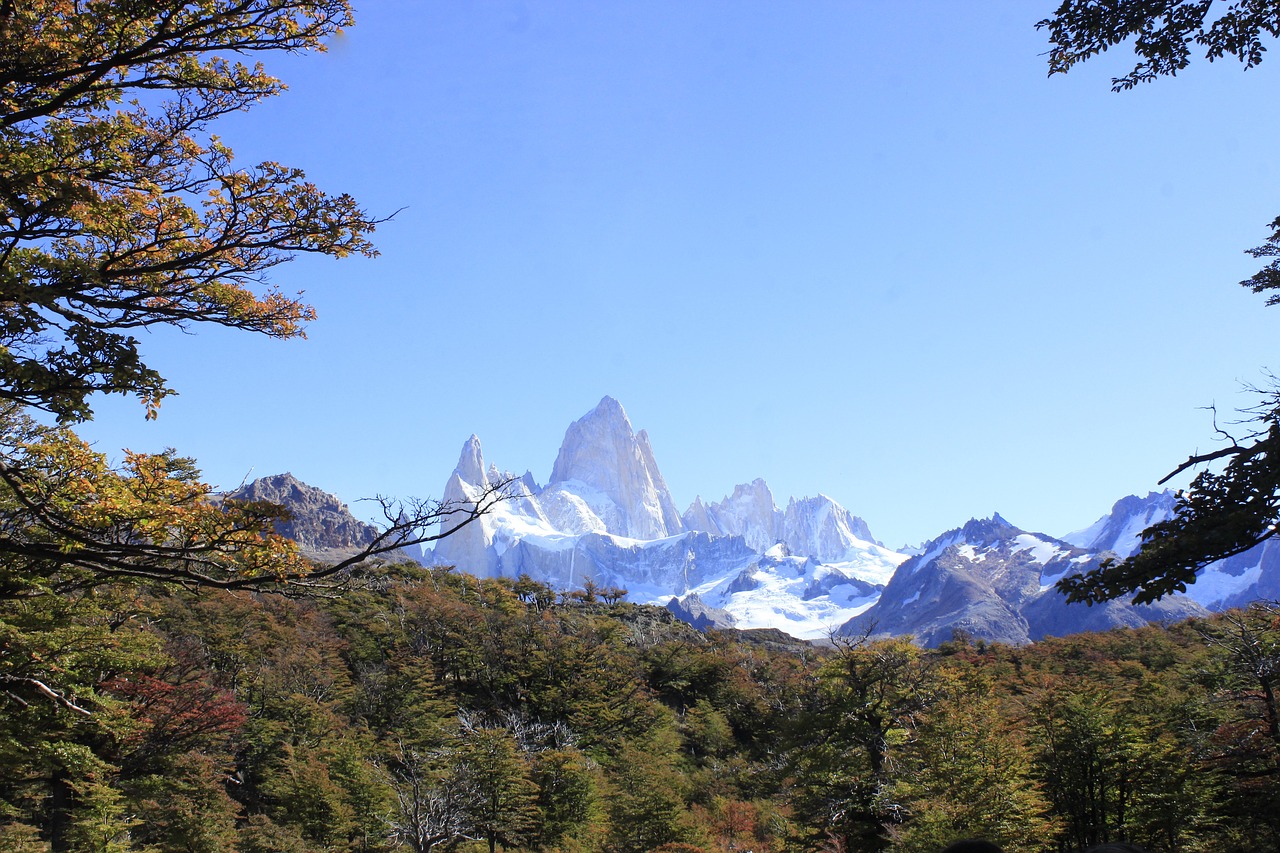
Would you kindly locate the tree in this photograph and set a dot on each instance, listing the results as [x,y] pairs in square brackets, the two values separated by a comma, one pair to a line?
[645,800]
[869,696]
[122,217]
[1225,513]
[1243,673]
[504,809]
[68,520]
[1162,33]
[117,215]
[968,773]
[120,210]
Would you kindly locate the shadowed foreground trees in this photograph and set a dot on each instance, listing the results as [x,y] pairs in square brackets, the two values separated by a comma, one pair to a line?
[375,722]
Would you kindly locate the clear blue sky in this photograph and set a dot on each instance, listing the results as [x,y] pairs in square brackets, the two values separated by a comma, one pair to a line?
[864,249]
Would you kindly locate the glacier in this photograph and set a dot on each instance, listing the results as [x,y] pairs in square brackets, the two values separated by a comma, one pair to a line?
[812,568]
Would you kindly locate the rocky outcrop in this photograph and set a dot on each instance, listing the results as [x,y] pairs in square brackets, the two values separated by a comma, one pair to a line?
[696,612]
[993,581]
[319,522]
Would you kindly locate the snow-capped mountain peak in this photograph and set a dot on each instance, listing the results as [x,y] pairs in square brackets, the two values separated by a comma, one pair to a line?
[993,580]
[606,464]
[1121,529]
[470,468]
[806,569]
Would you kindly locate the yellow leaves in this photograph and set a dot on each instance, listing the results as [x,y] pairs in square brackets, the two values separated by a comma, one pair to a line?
[152,513]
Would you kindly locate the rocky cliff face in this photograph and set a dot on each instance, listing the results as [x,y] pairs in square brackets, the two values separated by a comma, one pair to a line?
[612,469]
[749,512]
[821,528]
[994,581]
[469,547]
[809,527]
[321,524]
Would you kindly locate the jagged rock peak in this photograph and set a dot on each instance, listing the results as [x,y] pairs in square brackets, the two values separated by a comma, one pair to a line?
[749,512]
[984,531]
[1121,529]
[471,467]
[319,520]
[600,451]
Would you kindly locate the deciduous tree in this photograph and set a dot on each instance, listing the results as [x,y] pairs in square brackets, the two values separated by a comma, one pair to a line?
[1224,513]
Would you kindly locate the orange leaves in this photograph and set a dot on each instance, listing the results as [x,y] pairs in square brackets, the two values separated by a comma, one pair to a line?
[126,217]
[151,517]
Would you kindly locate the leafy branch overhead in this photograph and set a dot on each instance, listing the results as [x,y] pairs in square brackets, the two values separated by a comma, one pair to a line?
[1227,513]
[73,521]
[1163,34]
[1219,516]
[121,210]
[119,215]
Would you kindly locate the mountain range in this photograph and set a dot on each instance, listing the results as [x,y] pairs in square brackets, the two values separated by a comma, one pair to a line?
[811,569]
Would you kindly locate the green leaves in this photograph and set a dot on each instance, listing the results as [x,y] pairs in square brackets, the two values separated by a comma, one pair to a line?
[115,218]
[1161,34]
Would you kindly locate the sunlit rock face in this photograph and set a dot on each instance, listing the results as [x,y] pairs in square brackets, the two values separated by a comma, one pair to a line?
[817,527]
[468,545]
[612,470]
[821,528]
[749,512]
[320,523]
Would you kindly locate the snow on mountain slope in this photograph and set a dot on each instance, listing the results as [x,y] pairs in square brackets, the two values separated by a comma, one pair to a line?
[802,596]
[1233,582]
[994,581]
[607,515]
[1121,529]
[811,527]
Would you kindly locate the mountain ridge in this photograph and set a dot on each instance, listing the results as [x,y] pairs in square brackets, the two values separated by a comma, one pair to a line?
[811,569]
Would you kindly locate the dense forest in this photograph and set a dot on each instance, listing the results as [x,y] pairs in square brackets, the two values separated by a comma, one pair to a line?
[176,676]
[424,709]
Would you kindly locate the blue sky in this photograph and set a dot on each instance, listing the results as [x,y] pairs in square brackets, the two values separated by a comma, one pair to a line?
[863,249]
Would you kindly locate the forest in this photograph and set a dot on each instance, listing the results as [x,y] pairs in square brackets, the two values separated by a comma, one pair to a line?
[175,675]
[425,709]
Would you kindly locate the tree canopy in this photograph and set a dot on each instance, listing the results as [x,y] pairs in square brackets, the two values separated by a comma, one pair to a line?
[121,210]
[119,214]
[1225,512]
[1163,34]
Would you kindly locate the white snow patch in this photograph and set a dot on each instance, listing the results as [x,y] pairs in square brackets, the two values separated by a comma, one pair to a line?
[936,551]
[1214,585]
[1041,551]
[777,600]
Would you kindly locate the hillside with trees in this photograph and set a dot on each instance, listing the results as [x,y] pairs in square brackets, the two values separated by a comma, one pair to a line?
[175,675]
[431,710]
